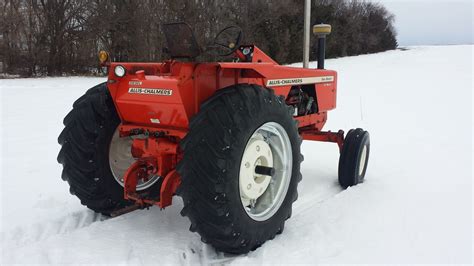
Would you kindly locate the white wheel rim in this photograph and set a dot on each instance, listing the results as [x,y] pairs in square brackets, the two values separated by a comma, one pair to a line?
[120,159]
[262,196]
[363,157]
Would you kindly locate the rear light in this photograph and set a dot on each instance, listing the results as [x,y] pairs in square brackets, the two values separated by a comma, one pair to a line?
[119,71]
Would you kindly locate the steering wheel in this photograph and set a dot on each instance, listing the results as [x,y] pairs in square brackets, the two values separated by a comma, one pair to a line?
[228,40]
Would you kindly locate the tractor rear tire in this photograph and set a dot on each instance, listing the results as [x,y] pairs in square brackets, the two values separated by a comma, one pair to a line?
[85,141]
[211,167]
[354,158]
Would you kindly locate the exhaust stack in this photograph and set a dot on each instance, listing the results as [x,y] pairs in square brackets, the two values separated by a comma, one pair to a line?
[321,30]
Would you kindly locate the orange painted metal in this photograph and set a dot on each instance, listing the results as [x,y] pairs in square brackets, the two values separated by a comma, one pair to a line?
[325,136]
[141,169]
[155,156]
[158,100]
[193,83]
[168,188]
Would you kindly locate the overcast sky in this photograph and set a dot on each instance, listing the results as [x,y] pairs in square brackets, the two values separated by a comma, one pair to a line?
[421,22]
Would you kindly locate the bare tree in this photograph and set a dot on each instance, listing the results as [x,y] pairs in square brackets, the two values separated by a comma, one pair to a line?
[56,37]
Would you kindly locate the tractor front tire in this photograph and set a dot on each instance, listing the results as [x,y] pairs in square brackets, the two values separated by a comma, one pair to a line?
[220,152]
[84,154]
[354,158]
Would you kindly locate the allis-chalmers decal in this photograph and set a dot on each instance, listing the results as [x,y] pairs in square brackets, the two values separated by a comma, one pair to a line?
[299,81]
[162,92]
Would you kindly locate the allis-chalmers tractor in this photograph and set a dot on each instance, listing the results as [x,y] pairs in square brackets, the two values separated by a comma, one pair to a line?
[225,136]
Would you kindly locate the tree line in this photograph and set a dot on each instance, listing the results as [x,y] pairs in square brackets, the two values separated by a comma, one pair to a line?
[57,37]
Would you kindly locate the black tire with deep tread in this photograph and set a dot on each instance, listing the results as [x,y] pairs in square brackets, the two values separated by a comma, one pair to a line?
[349,160]
[213,150]
[85,144]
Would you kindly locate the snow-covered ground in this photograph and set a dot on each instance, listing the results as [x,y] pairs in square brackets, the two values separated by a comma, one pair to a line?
[415,207]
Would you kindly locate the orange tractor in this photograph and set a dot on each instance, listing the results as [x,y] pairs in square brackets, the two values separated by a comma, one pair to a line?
[225,136]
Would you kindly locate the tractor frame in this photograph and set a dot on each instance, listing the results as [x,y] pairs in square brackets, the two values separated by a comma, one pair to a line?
[158,100]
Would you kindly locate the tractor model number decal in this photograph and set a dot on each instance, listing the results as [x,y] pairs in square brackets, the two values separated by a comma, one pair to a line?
[299,81]
[162,92]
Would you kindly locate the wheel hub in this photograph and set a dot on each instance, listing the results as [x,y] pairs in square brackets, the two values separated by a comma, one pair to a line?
[265,171]
[253,185]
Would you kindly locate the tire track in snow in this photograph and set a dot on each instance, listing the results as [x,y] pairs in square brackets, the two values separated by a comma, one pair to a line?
[204,254]
[326,192]
[310,202]
[36,232]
